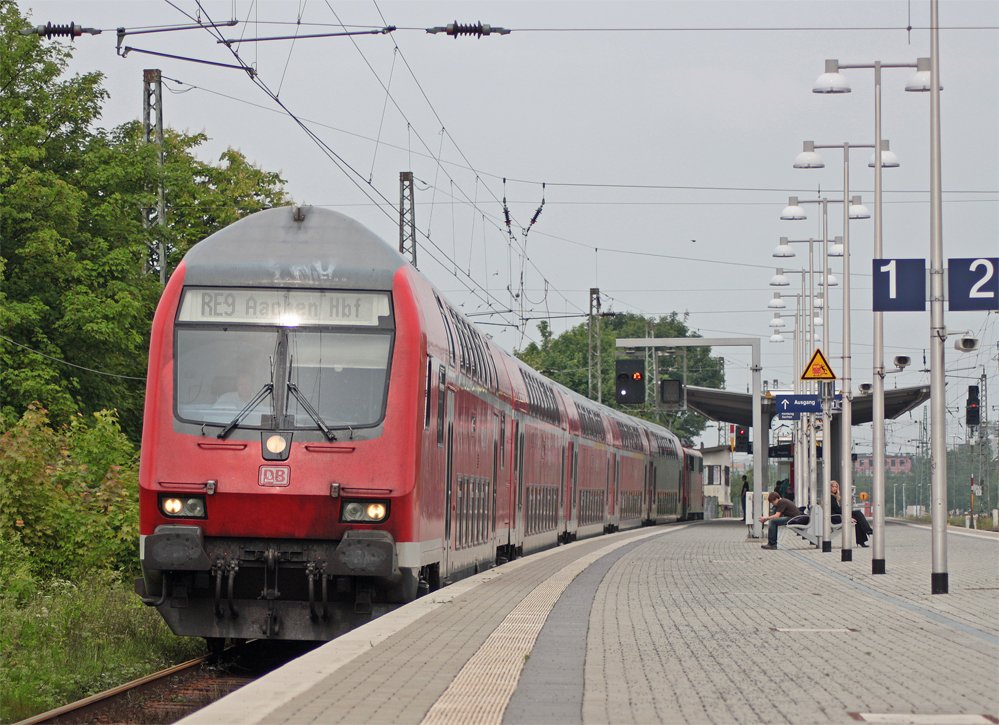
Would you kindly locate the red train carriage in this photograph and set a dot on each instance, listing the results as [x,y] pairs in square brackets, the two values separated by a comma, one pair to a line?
[325,437]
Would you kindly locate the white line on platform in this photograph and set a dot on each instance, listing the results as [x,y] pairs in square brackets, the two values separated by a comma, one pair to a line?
[904,718]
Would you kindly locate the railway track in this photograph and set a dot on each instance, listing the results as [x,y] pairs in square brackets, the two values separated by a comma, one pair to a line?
[172,694]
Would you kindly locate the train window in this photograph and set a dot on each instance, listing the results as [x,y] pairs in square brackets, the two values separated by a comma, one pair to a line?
[341,375]
[502,440]
[447,328]
[218,372]
[441,385]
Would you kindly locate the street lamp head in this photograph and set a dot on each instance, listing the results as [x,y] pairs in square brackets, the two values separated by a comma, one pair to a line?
[921,80]
[888,158]
[829,280]
[776,337]
[809,158]
[777,322]
[818,302]
[817,321]
[777,303]
[858,210]
[832,81]
[779,280]
[836,248]
[783,249]
[793,212]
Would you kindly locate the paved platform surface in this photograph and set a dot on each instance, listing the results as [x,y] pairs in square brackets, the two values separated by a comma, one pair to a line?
[690,623]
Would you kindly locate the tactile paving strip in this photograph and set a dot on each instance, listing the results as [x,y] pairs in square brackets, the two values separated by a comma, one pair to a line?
[483,687]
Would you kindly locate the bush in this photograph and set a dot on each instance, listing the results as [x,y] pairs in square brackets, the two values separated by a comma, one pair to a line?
[68,499]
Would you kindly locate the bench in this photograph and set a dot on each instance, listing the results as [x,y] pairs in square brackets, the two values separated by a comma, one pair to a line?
[808,526]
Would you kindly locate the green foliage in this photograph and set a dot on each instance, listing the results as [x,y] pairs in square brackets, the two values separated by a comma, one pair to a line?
[79,274]
[68,500]
[64,641]
[565,360]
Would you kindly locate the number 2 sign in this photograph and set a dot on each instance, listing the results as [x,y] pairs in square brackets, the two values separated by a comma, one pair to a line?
[973,283]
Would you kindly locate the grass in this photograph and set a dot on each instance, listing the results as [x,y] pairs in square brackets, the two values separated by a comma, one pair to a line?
[65,641]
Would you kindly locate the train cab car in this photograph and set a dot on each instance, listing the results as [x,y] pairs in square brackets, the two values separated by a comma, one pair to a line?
[279,456]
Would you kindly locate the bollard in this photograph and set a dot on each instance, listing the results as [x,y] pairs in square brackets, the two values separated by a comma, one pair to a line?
[995,518]
[967,521]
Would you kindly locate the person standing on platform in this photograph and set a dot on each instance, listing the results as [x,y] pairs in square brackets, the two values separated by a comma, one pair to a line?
[745,490]
[784,511]
[862,527]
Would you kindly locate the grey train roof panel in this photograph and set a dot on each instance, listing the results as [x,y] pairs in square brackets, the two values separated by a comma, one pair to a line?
[294,246]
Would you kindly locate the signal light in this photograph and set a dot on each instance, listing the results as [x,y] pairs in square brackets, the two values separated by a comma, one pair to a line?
[972,413]
[742,439]
[630,382]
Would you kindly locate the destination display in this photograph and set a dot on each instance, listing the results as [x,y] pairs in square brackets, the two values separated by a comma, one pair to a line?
[287,308]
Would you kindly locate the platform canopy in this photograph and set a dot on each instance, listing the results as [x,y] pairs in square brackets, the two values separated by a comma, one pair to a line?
[732,407]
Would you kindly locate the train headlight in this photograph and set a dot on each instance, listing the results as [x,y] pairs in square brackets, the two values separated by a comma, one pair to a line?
[183,507]
[276,444]
[364,512]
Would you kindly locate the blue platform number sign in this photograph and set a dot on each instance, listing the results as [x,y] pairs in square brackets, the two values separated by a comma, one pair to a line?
[899,285]
[973,284]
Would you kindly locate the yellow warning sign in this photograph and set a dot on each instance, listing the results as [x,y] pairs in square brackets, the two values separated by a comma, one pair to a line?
[818,369]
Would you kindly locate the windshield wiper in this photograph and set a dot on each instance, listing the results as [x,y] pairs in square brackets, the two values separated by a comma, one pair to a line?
[265,390]
[313,413]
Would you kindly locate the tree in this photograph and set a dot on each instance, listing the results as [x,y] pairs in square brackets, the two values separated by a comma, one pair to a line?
[78,283]
[565,360]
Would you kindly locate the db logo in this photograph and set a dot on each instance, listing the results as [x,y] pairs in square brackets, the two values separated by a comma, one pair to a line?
[274,476]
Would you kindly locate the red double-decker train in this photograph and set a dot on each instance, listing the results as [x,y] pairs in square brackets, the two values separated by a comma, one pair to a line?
[326,437]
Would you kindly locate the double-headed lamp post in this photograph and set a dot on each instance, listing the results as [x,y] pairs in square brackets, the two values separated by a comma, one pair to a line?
[810,159]
[854,209]
[834,82]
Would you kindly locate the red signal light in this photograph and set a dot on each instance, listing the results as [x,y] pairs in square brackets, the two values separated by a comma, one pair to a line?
[636,376]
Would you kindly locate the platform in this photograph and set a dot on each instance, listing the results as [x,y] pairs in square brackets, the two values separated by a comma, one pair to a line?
[688,623]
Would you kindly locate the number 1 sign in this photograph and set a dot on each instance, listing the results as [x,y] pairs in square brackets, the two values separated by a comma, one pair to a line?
[899,285]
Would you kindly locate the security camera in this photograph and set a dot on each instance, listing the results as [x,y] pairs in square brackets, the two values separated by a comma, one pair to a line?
[902,361]
[866,388]
[965,343]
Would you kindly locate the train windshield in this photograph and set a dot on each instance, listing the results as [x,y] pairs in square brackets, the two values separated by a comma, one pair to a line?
[281,371]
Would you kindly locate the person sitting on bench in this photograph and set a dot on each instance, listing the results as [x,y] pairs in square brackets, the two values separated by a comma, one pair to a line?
[784,511]
[862,527]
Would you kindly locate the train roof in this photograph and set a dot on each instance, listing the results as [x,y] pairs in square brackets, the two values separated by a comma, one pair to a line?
[294,246]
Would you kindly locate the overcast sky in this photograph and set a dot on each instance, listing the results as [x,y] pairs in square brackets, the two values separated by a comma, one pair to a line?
[664,133]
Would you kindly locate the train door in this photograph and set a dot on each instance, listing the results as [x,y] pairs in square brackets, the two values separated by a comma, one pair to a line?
[497,427]
[575,490]
[518,472]
[650,482]
[449,474]
[682,504]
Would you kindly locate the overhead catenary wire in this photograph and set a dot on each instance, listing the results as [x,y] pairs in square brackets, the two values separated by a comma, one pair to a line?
[353,175]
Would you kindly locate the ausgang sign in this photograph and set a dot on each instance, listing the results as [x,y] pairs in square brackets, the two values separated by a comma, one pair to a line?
[797,404]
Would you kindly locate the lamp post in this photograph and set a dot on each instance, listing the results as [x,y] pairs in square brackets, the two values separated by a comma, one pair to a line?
[832,81]
[806,426]
[794,212]
[810,159]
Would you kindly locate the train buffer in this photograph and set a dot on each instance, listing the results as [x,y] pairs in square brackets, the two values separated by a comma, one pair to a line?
[662,624]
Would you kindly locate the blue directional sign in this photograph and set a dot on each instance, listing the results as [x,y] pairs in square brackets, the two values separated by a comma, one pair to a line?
[899,285]
[973,284]
[797,404]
